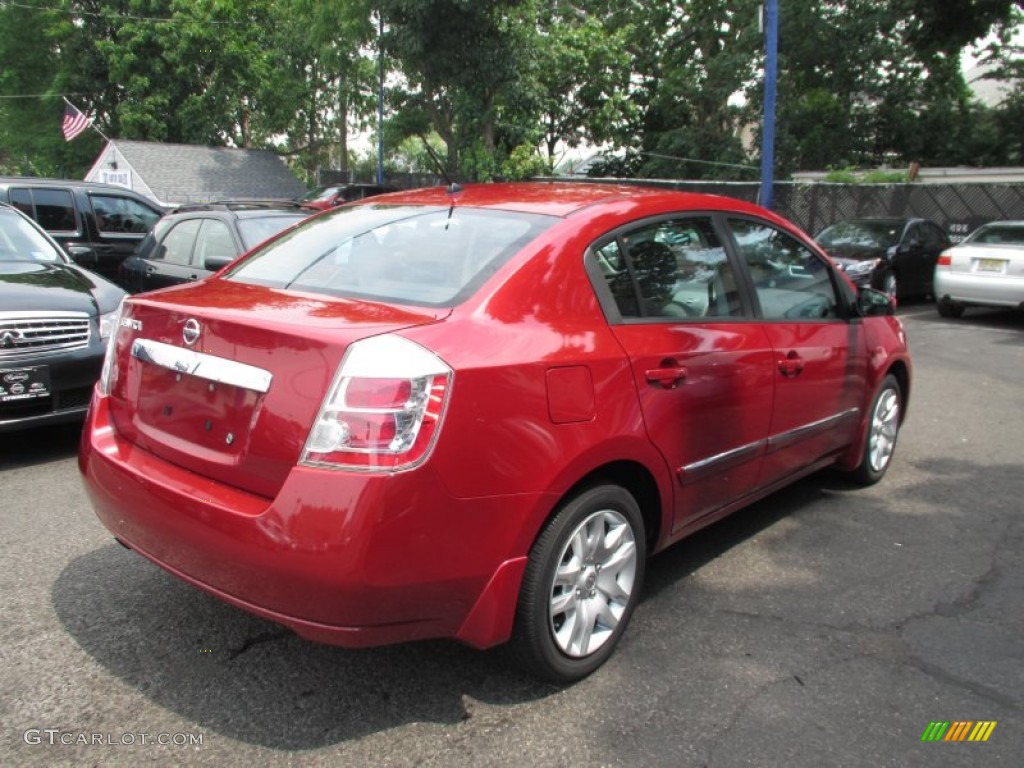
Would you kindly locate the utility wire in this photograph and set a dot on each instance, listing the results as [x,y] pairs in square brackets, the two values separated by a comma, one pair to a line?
[116,16]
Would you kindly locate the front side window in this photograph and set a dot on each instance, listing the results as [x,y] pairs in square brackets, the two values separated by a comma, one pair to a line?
[122,215]
[670,269]
[791,282]
[420,255]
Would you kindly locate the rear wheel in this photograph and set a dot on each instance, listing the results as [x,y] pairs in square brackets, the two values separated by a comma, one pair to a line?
[949,308]
[582,581]
[882,430]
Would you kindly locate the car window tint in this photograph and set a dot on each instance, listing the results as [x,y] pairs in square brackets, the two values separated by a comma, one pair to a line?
[22,200]
[792,283]
[55,211]
[177,246]
[421,255]
[933,236]
[679,269]
[214,241]
[116,214]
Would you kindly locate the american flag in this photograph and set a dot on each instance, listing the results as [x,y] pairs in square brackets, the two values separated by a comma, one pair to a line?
[74,122]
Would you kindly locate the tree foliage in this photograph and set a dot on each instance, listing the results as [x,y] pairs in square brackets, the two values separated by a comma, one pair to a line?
[502,87]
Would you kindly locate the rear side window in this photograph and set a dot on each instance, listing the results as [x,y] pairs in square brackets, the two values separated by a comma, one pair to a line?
[792,283]
[54,208]
[670,269]
[420,255]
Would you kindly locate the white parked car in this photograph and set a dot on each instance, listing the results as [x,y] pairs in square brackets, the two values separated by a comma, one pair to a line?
[985,270]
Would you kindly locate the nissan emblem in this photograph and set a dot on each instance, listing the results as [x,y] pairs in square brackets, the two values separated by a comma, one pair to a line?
[190,333]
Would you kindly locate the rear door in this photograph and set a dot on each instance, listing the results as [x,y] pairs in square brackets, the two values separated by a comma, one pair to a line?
[702,368]
[818,364]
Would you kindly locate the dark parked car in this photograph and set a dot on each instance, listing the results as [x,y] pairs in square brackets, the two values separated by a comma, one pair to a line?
[55,319]
[474,413]
[896,256]
[98,225]
[194,241]
[323,198]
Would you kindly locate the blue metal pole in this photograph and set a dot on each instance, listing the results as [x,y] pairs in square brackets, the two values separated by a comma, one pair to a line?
[380,101]
[771,23]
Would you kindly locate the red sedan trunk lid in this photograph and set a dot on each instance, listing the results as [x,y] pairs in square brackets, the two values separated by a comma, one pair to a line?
[235,403]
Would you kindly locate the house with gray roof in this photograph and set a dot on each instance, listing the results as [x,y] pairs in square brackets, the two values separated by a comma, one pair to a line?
[171,174]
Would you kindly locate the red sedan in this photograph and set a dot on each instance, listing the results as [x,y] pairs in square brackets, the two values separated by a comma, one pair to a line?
[474,413]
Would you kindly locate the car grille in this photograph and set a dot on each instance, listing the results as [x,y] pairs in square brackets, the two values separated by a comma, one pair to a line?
[26,334]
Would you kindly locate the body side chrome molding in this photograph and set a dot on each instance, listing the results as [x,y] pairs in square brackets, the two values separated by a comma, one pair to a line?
[775,442]
[699,470]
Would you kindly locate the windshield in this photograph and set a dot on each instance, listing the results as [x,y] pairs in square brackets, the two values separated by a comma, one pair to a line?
[20,241]
[319,194]
[871,234]
[255,231]
[998,234]
[420,255]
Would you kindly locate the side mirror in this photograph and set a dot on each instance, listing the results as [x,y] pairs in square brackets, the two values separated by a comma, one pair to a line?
[872,303]
[83,255]
[214,263]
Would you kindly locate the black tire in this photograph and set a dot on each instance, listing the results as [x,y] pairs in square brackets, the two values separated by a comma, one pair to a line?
[949,308]
[558,645]
[881,432]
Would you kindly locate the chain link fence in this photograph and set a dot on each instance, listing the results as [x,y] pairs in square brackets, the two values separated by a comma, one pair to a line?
[957,208]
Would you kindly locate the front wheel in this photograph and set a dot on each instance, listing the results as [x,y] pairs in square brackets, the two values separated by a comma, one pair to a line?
[882,430]
[581,584]
[889,283]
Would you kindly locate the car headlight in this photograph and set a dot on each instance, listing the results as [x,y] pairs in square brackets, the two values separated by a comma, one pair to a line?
[862,267]
[108,323]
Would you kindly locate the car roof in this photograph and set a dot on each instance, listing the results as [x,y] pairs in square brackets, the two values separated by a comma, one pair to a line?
[551,198]
[36,181]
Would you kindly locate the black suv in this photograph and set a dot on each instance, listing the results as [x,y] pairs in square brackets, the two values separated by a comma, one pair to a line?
[99,225]
[194,241]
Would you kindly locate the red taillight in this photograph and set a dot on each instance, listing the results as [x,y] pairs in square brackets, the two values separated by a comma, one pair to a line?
[384,408]
[945,260]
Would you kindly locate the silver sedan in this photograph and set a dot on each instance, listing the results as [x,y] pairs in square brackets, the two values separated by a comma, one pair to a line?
[986,269]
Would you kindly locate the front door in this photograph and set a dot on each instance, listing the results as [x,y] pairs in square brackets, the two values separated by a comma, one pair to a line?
[819,364]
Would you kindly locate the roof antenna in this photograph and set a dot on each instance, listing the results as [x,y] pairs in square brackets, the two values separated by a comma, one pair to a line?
[453,188]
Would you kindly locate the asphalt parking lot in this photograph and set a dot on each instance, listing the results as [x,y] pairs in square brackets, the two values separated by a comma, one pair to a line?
[825,626]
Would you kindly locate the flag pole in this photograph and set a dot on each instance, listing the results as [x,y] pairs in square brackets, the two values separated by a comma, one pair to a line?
[91,123]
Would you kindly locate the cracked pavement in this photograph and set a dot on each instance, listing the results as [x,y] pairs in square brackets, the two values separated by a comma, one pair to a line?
[825,626]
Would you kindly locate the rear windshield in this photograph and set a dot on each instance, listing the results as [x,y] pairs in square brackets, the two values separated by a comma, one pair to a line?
[996,234]
[256,230]
[420,255]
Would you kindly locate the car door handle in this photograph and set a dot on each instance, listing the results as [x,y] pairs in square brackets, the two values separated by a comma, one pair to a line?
[668,376]
[791,365]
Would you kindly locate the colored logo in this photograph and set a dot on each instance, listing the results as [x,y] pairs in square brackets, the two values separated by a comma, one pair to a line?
[958,730]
